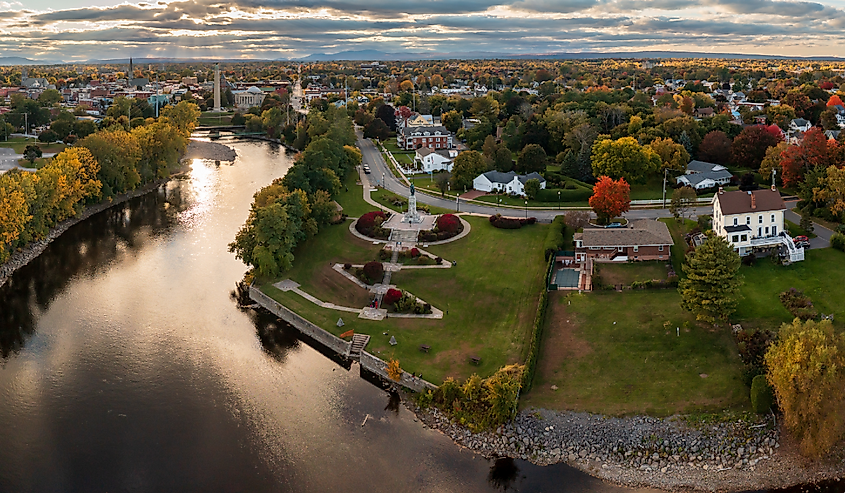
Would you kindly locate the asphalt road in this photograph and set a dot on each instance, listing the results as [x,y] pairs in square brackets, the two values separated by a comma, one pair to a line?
[823,234]
[381,176]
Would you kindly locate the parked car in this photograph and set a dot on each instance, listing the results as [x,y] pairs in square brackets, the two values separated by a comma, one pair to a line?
[801,241]
[367,170]
[614,225]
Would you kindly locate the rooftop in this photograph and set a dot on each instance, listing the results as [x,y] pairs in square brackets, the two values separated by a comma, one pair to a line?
[740,202]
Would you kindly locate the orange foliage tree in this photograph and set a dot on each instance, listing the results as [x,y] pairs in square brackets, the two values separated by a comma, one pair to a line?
[814,151]
[834,100]
[610,198]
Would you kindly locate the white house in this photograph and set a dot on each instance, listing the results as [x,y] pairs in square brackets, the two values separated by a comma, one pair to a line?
[430,160]
[701,175]
[510,182]
[753,221]
[799,125]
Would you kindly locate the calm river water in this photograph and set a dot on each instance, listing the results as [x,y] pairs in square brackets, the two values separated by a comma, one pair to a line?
[125,365]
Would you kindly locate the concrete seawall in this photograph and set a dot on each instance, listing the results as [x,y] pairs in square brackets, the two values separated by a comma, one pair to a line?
[367,361]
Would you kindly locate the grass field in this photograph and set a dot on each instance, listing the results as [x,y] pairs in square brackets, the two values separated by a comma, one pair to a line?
[18,144]
[491,297]
[610,353]
[351,196]
[384,197]
[625,273]
[210,118]
[678,229]
[520,202]
[795,230]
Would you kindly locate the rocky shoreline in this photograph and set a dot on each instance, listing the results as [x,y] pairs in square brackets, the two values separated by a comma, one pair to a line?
[640,451]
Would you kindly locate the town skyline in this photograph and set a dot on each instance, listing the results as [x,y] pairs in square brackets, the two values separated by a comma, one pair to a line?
[83,30]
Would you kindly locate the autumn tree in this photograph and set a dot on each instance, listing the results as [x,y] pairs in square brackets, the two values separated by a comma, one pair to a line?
[814,152]
[806,369]
[673,155]
[749,147]
[13,213]
[835,101]
[376,129]
[452,120]
[715,148]
[832,190]
[183,116]
[532,158]
[774,155]
[610,198]
[780,115]
[468,165]
[711,287]
[682,199]
[624,158]
[31,153]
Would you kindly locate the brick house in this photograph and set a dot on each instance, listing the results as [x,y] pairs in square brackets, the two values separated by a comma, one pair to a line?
[433,137]
[642,239]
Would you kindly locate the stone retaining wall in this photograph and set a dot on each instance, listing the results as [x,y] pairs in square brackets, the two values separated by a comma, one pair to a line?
[377,366]
[323,337]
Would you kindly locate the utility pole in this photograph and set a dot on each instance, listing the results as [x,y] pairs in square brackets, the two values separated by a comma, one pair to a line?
[665,171]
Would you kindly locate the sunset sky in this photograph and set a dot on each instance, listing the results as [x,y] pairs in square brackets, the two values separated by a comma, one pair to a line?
[78,30]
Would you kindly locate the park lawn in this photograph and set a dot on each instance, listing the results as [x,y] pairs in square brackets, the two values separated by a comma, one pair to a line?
[819,276]
[38,164]
[610,353]
[491,296]
[384,197]
[520,202]
[404,158]
[211,118]
[18,144]
[351,196]
[651,189]
[627,273]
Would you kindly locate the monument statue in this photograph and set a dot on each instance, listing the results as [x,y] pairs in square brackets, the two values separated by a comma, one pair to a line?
[412,216]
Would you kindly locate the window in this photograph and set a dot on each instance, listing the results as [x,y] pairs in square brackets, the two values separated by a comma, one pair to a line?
[760,219]
[767,230]
[621,249]
[735,221]
[660,249]
[748,220]
[773,218]
[744,238]
[636,249]
[735,238]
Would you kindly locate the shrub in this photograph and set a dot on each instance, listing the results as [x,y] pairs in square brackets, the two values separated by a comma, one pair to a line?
[798,304]
[383,254]
[837,241]
[449,223]
[554,238]
[347,266]
[439,260]
[393,369]
[374,271]
[527,221]
[415,252]
[391,296]
[749,259]
[482,403]
[762,398]
[502,222]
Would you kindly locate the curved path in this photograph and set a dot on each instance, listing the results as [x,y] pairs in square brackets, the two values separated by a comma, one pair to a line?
[382,176]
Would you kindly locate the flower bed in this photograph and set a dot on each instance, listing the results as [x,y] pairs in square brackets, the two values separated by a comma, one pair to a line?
[370,225]
[446,226]
[798,304]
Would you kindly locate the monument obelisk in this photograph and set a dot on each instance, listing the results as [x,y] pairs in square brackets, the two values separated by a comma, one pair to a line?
[217,88]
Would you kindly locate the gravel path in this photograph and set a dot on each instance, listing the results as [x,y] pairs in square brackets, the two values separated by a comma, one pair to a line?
[641,451]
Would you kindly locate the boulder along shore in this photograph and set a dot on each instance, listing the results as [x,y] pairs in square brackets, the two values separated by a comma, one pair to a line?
[195,150]
[641,451]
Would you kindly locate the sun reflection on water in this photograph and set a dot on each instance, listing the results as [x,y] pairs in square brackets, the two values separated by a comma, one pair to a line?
[202,191]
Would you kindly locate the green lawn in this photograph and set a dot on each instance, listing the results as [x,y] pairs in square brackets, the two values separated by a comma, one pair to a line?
[210,118]
[820,276]
[391,146]
[610,353]
[795,230]
[38,164]
[520,202]
[18,144]
[384,197]
[491,297]
[351,197]
[678,229]
[612,274]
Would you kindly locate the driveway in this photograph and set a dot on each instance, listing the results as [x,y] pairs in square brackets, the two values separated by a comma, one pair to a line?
[823,234]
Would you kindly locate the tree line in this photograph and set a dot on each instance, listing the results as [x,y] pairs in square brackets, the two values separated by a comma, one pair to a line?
[295,207]
[108,162]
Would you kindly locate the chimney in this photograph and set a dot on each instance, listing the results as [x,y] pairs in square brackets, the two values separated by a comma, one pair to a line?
[753,201]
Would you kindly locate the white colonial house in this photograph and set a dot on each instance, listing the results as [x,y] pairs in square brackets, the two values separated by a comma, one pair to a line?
[510,182]
[701,175]
[430,160]
[753,221]
[799,125]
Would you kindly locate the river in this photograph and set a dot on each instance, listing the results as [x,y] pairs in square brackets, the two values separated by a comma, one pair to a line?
[125,365]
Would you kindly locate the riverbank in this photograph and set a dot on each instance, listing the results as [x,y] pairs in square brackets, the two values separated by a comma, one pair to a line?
[195,150]
[640,451]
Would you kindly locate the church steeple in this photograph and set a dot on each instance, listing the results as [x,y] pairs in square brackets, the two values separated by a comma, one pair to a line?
[131,70]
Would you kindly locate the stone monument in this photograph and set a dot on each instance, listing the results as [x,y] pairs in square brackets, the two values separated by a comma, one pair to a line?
[217,107]
[412,216]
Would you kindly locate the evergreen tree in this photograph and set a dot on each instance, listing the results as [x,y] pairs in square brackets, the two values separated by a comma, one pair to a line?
[711,287]
[686,142]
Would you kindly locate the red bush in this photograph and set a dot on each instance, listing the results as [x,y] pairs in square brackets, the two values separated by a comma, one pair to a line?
[374,271]
[415,253]
[449,223]
[368,221]
[391,296]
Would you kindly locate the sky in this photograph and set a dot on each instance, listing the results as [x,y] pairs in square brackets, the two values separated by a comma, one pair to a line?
[79,30]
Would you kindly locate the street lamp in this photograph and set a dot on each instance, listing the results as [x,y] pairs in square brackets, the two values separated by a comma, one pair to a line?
[526,209]
[382,180]
[558,200]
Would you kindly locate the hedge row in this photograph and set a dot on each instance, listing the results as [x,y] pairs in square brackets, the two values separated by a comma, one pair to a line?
[555,236]
[536,336]
[837,241]
[502,222]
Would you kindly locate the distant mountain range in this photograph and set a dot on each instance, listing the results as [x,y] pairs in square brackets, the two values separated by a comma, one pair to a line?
[375,55]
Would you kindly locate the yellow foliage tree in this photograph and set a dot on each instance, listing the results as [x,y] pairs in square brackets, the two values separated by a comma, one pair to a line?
[832,190]
[394,371]
[13,213]
[183,116]
[673,155]
[806,369]
[74,173]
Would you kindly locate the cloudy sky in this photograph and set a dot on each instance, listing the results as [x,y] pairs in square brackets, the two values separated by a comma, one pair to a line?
[96,29]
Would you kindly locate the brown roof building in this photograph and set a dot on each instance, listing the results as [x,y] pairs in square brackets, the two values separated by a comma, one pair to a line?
[643,239]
